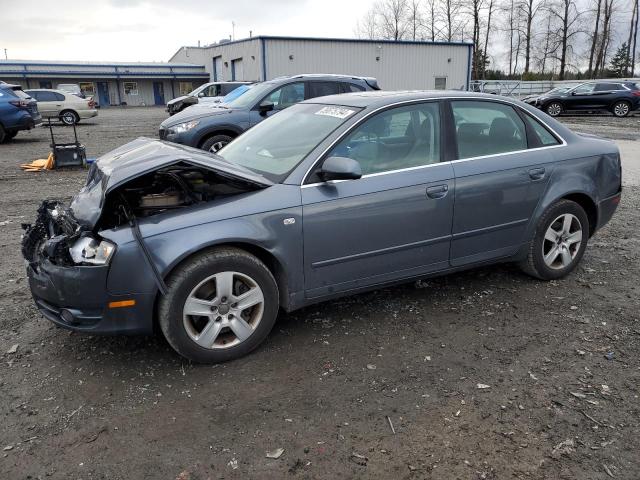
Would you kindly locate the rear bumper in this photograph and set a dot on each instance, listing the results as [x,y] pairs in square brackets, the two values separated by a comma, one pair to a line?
[606,209]
[76,298]
[88,113]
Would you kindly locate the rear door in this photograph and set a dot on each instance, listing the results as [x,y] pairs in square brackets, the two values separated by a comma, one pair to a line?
[48,103]
[395,221]
[501,171]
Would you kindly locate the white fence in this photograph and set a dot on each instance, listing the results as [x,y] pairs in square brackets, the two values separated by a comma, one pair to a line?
[521,88]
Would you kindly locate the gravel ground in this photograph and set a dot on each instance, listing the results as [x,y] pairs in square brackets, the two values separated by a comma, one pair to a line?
[334,382]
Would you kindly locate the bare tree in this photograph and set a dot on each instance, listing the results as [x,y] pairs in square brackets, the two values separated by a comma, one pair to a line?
[433,19]
[567,14]
[367,27]
[605,38]
[454,22]
[392,15]
[486,39]
[414,19]
[635,39]
[594,38]
[633,31]
[529,9]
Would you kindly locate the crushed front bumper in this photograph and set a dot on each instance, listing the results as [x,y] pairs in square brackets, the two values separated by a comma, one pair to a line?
[76,297]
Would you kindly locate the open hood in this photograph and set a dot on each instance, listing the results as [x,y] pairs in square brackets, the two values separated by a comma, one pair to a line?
[141,157]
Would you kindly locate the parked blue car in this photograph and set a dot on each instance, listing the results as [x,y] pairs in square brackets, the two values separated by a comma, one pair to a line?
[333,196]
[18,111]
[212,126]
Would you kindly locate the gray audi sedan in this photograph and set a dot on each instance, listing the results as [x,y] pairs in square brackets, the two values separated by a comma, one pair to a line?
[329,197]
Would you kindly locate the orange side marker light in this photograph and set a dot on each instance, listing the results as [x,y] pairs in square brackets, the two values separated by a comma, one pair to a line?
[122,303]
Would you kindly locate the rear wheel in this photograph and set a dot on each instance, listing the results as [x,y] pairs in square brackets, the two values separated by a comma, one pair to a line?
[554,109]
[69,117]
[219,306]
[215,143]
[10,134]
[621,108]
[3,134]
[559,242]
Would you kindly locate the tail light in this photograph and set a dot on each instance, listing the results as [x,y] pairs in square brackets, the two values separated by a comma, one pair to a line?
[635,93]
[19,103]
[91,104]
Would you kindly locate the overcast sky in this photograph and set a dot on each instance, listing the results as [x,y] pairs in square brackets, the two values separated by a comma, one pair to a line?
[138,30]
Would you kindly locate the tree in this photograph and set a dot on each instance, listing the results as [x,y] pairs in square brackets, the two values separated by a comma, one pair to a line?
[567,14]
[620,62]
[392,15]
[594,38]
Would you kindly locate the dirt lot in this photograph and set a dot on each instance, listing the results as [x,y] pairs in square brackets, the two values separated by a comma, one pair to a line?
[560,360]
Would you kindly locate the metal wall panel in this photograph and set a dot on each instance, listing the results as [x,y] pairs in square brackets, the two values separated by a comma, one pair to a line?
[397,66]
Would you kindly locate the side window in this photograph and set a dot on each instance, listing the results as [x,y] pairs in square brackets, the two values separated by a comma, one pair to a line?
[287,95]
[228,88]
[320,89]
[487,128]
[545,137]
[398,138]
[46,97]
[584,89]
[58,97]
[351,87]
[33,95]
[607,87]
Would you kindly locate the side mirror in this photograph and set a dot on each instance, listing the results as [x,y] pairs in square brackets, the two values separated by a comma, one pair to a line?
[265,107]
[340,168]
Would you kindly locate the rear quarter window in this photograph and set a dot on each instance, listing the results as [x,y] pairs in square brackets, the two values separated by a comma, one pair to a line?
[545,137]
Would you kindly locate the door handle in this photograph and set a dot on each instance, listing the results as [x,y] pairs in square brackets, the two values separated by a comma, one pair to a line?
[536,173]
[437,191]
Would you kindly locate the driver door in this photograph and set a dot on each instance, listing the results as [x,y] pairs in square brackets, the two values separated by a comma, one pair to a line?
[282,97]
[395,221]
[581,97]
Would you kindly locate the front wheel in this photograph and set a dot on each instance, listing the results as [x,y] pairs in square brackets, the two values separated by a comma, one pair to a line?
[216,143]
[220,305]
[554,109]
[621,108]
[559,242]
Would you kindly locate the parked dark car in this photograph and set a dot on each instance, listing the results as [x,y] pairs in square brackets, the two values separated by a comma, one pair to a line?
[208,93]
[18,111]
[619,98]
[210,126]
[330,197]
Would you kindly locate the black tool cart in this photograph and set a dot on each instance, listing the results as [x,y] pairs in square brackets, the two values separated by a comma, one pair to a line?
[67,154]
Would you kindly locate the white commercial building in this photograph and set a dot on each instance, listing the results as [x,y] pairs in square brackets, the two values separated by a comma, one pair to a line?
[398,65]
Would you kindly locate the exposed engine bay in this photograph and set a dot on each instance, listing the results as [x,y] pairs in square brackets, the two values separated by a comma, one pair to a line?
[59,236]
[177,186]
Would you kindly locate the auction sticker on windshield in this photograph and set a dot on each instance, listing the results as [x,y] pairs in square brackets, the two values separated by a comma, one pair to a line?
[337,112]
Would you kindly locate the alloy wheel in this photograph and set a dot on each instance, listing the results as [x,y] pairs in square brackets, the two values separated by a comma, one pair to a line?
[69,118]
[223,310]
[554,109]
[562,241]
[621,109]
[217,146]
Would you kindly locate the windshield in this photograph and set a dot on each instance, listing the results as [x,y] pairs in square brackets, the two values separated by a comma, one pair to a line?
[277,145]
[195,92]
[252,95]
[233,94]
[560,89]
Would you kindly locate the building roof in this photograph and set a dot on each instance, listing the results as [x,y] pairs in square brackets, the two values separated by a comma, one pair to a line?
[66,69]
[323,39]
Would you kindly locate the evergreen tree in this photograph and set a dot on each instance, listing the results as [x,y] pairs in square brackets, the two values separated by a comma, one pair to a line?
[620,62]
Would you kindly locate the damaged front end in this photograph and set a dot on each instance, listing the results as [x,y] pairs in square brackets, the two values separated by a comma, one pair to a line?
[69,250]
[57,237]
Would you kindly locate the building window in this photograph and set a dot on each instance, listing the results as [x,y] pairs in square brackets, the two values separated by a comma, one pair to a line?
[87,88]
[45,84]
[441,83]
[131,88]
[186,88]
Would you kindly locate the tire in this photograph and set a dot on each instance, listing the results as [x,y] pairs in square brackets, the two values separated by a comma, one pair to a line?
[3,134]
[223,332]
[555,249]
[621,108]
[69,117]
[553,109]
[10,135]
[215,143]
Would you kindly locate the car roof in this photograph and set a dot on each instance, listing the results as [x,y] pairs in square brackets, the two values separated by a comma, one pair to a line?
[62,92]
[381,98]
[319,76]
